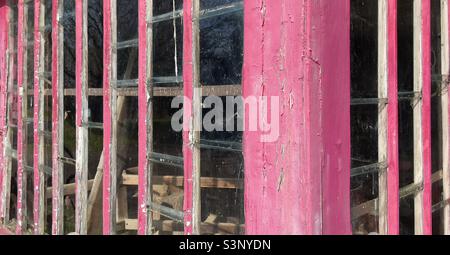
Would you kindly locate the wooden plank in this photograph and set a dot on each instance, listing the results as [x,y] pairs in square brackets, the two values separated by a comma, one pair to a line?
[393,220]
[109,117]
[7,138]
[216,90]
[422,110]
[57,117]
[145,108]
[388,117]
[178,181]
[4,60]
[38,120]
[68,189]
[445,111]
[81,172]
[191,116]
[207,228]
[383,76]
[95,194]
[22,60]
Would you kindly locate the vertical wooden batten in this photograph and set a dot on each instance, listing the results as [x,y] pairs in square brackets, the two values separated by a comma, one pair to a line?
[22,93]
[57,117]
[145,101]
[38,118]
[109,116]
[422,115]
[192,116]
[6,67]
[388,118]
[81,172]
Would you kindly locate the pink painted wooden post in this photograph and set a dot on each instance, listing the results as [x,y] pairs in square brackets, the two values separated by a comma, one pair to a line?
[7,140]
[109,124]
[38,153]
[4,31]
[144,95]
[392,134]
[187,115]
[57,117]
[426,116]
[21,138]
[299,183]
[106,116]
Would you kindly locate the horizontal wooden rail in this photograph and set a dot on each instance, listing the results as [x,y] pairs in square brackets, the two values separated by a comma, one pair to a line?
[206,228]
[210,90]
[206,182]
[69,189]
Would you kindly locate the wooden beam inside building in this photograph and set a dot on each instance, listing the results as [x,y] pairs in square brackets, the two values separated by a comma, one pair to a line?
[178,181]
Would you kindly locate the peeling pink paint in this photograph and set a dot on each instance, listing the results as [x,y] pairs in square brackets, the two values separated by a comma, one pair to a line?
[4,30]
[392,135]
[426,116]
[21,140]
[36,138]
[188,71]
[107,47]
[143,106]
[57,167]
[299,52]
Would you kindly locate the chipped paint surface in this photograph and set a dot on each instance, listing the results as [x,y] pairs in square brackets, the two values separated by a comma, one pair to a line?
[57,119]
[107,116]
[299,184]
[426,115]
[392,133]
[21,134]
[187,115]
[145,127]
[4,30]
[38,143]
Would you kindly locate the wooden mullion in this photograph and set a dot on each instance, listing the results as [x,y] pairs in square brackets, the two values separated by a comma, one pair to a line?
[81,172]
[38,121]
[110,117]
[388,117]
[382,112]
[197,121]
[7,138]
[22,102]
[191,116]
[145,95]
[421,112]
[57,117]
